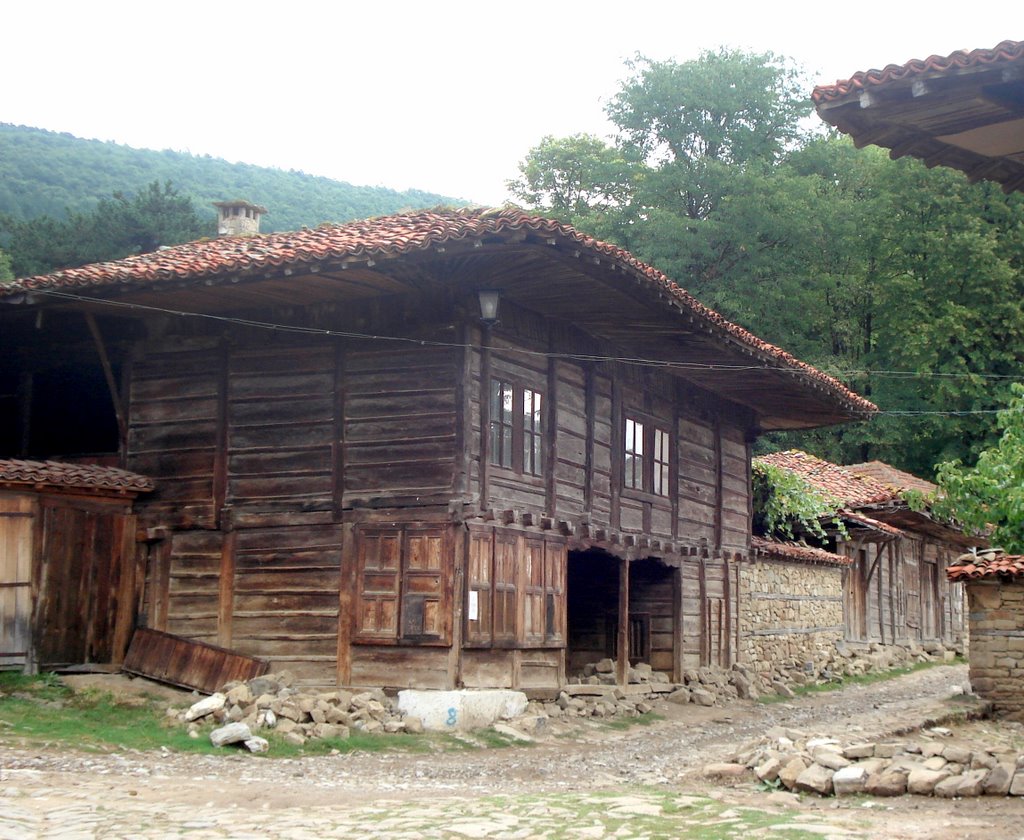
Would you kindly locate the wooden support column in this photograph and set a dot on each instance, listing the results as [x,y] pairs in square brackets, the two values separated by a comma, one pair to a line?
[338,437]
[108,375]
[622,638]
[485,417]
[719,494]
[464,418]
[590,409]
[705,623]
[220,455]
[226,607]
[459,546]
[618,456]
[550,414]
[346,602]
[677,624]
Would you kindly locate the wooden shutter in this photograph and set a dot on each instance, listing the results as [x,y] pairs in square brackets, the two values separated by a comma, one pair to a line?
[554,591]
[379,567]
[505,588]
[478,587]
[424,605]
[533,590]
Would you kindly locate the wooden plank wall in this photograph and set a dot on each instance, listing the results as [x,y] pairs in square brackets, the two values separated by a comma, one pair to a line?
[651,592]
[173,431]
[18,512]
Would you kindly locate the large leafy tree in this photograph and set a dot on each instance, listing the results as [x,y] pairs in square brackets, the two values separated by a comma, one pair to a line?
[904,281]
[990,495]
[119,227]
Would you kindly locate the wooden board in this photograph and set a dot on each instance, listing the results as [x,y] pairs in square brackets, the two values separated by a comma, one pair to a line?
[190,664]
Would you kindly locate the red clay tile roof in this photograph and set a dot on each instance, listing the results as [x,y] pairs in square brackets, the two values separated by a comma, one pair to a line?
[868,522]
[895,479]
[388,236]
[840,484]
[84,476]
[933,65]
[971,567]
[802,553]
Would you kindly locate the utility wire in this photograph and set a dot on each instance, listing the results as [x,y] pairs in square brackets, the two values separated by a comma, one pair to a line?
[587,357]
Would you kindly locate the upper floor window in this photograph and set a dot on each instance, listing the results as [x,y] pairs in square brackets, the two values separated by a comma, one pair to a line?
[516,434]
[647,459]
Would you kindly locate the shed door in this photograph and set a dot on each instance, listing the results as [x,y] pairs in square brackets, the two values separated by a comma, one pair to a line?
[16,518]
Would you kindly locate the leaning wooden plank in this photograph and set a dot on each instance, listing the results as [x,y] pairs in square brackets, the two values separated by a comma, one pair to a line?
[187,663]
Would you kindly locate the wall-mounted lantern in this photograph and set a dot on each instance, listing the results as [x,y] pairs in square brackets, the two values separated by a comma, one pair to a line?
[489,300]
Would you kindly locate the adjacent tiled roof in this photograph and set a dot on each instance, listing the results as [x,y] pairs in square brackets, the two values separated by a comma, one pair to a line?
[868,522]
[895,479]
[84,476]
[986,565]
[802,553]
[847,488]
[935,64]
[378,238]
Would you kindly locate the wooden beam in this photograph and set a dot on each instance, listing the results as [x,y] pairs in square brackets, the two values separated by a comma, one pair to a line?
[346,601]
[485,417]
[226,602]
[622,638]
[108,375]
[219,489]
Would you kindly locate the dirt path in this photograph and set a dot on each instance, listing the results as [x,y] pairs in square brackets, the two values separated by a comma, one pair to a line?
[553,786]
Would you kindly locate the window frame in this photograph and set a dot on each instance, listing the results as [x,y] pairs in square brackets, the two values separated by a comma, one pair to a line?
[519,433]
[653,463]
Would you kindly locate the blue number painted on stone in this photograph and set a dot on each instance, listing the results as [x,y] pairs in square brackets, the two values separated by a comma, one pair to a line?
[452,716]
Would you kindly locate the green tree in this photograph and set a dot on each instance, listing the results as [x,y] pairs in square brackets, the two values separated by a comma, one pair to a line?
[119,227]
[6,273]
[991,493]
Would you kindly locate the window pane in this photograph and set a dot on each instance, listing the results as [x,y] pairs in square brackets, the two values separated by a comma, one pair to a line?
[532,432]
[633,473]
[661,463]
[501,423]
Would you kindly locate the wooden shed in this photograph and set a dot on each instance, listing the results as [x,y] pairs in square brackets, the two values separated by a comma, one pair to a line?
[69,582]
[368,479]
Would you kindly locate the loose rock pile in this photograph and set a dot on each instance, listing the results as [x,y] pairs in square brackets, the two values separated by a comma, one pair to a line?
[929,765]
[271,702]
[846,659]
[702,686]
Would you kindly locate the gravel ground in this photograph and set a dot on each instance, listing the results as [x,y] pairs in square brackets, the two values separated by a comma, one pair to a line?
[551,788]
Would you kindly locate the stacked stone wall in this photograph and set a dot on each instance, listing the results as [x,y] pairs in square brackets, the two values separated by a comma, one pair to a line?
[996,623]
[790,613]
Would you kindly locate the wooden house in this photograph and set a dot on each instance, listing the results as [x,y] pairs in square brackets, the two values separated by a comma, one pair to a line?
[895,588]
[69,579]
[364,477]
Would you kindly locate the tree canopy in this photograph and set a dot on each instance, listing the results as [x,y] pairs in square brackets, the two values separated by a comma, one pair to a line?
[119,227]
[903,281]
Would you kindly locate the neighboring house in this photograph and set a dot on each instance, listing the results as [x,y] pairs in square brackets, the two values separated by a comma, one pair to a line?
[962,110]
[995,604]
[895,589]
[364,478]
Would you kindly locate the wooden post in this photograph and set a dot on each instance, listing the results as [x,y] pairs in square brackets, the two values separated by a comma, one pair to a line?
[550,439]
[677,624]
[618,456]
[622,639]
[590,403]
[226,606]
[338,441]
[719,466]
[346,601]
[459,546]
[108,375]
[485,417]
[220,456]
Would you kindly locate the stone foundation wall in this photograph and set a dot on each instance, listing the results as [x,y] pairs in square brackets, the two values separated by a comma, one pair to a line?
[996,625]
[789,613]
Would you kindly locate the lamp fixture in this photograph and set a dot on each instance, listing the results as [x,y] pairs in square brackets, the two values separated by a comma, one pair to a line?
[489,300]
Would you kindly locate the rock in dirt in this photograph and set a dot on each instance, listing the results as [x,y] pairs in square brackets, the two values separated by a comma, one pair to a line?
[230,734]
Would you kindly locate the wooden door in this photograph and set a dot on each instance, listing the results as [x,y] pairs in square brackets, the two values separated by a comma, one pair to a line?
[16,520]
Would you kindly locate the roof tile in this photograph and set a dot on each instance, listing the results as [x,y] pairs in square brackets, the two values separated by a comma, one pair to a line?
[61,474]
[986,565]
[383,237]
[846,488]
[803,553]
[959,60]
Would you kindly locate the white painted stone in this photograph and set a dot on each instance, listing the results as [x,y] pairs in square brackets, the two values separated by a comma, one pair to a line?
[850,780]
[206,706]
[446,711]
[230,734]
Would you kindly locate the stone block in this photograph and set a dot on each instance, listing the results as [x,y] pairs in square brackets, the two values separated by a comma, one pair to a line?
[791,771]
[463,709]
[887,783]
[768,770]
[725,770]
[997,782]
[956,754]
[206,706]
[815,779]
[972,783]
[1017,784]
[922,781]
[863,750]
[947,788]
[230,734]
[830,758]
[850,780]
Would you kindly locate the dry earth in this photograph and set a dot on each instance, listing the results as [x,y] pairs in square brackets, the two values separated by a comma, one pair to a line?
[592,781]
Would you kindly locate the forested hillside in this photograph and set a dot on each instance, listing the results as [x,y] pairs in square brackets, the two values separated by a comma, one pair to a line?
[46,173]
[905,282]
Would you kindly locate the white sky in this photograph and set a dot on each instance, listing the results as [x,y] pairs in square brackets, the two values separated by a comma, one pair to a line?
[441,96]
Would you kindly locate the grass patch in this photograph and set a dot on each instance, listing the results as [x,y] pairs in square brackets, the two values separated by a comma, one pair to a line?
[622,724]
[43,710]
[858,679]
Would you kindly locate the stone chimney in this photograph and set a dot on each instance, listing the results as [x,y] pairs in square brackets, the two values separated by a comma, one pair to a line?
[238,218]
